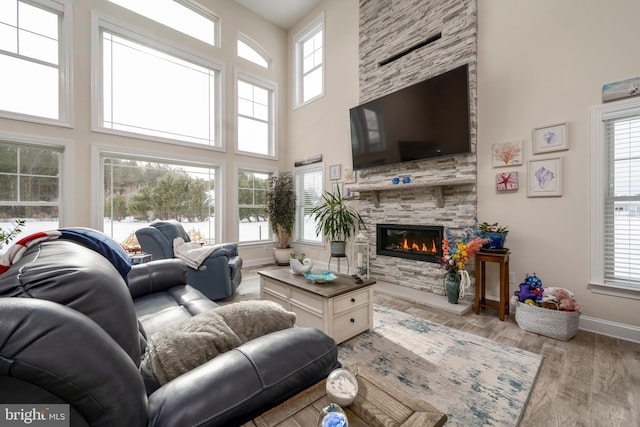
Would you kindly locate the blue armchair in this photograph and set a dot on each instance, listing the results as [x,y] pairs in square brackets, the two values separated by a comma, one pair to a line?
[218,276]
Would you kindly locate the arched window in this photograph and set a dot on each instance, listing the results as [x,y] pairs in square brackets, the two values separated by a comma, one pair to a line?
[251,52]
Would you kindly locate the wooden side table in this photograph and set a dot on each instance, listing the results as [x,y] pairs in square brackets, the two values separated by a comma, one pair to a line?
[503,305]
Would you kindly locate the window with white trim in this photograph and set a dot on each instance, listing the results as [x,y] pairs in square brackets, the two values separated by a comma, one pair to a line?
[615,189]
[309,62]
[251,52]
[35,60]
[30,186]
[309,189]
[138,191]
[255,119]
[253,223]
[184,16]
[152,89]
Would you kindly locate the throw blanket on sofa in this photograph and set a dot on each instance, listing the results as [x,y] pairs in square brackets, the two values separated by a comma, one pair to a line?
[174,351]
[192,253]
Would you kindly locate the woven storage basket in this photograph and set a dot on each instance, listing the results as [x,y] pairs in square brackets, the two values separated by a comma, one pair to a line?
[556,324]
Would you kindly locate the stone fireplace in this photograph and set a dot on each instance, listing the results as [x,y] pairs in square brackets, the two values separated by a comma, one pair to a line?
[442,191]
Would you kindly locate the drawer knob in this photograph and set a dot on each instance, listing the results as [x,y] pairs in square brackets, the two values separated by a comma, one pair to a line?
[353,320]
[353,300]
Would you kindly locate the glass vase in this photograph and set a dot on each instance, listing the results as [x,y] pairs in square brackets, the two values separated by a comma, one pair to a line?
[452,287]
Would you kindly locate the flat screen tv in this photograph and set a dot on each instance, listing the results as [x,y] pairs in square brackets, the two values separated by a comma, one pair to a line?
[425,120]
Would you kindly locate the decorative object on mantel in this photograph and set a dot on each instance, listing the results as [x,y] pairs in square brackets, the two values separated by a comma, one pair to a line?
[336,221]
[544,178]
[506,181]
[507,153]
[550,138]
[455,255]
[620,90]
[495,236]
[361,255]
[280,202]
[299,263]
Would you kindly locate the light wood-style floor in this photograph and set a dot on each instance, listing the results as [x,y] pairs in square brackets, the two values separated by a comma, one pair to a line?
[592,380]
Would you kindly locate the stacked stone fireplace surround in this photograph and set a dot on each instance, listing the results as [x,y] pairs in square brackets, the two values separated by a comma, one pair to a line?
[386,29]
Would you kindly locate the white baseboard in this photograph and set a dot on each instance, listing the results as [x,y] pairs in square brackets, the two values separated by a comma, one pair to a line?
[258,262]
[610,329]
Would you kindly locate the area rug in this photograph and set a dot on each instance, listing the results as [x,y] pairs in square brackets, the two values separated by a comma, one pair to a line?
[475,381]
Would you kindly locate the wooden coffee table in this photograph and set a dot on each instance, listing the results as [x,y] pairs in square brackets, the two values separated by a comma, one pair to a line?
[379,403]
[341,309]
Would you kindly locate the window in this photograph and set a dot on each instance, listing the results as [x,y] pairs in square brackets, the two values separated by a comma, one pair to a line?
[251,52]
[253,223]
[163,93]
[35,60]
[309,63]
[255,116]
[308,195]
[139,191]
[30,186]
[615,187]
[184,16]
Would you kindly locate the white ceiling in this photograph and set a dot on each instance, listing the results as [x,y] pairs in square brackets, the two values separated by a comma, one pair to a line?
[283,13]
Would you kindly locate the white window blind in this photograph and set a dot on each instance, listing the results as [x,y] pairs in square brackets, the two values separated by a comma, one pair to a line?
[309,194]
[622,201]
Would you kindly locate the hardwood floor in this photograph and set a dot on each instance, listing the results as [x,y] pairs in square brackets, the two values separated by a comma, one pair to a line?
[591,380]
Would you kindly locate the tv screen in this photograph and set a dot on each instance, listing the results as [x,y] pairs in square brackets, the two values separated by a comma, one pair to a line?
[424,120]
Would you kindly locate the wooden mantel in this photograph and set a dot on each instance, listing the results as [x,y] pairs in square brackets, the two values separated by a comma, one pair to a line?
[438,185]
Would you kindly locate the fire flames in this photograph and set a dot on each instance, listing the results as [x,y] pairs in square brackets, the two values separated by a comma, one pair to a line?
[416,247]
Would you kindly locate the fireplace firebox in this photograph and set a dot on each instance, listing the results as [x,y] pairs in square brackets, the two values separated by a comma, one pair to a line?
[419,242]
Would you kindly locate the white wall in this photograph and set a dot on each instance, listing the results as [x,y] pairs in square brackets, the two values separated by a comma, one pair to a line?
[322,126]
[542,62]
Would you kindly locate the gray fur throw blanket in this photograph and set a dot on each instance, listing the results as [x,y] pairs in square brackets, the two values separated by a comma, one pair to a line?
[176,350]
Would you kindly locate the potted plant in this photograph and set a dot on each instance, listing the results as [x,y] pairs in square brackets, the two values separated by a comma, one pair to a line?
[495,233]
[280,207]
[10,233]
[336,221]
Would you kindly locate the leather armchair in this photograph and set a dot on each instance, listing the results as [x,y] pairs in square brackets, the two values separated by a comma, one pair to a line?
[73,332]
[219,275]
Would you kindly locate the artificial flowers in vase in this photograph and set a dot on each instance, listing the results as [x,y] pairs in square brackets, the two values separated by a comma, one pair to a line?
[455,255]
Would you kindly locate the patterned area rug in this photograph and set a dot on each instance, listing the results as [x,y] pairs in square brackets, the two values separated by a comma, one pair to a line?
[475,381]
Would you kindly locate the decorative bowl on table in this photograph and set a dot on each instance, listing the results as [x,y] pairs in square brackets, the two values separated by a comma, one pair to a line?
[325,277]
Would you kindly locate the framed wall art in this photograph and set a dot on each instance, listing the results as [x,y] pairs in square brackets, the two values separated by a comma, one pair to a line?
[349,176]
[507,153]
[550,138]
[334,172]
[544,178]
[507,181]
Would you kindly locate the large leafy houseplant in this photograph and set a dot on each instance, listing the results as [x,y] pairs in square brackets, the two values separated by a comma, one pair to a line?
[336,221]
[280,206]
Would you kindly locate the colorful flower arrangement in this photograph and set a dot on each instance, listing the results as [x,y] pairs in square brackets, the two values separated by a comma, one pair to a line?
[455,254]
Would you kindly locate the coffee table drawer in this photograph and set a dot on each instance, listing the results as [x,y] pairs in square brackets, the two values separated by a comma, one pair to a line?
[351,324]
[275,288]
[351,300]
[307,300]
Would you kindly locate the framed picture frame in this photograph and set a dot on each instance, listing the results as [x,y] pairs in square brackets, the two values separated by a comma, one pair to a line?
[334,172]
[551,138]
[507,181]
[544,178]
[350,176]
[507,153]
